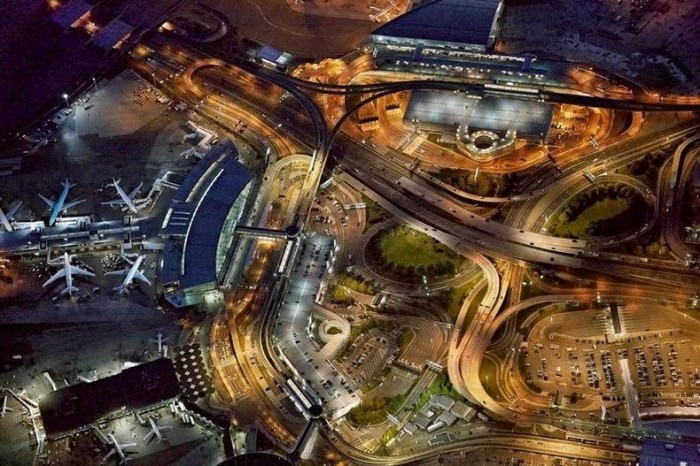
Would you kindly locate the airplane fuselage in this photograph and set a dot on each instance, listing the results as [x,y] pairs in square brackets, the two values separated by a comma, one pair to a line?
[132,271]
[129,203]
[58,206]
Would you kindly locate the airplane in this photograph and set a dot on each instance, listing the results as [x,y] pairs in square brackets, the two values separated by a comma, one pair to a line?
[67,270]
[4,262]
[127,200]
[131,273]
[155,431]
[60,205]
[7,218]
[118,449]
[4,409]
[160,341]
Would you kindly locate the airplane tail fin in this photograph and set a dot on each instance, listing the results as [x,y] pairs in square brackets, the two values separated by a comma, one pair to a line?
[67,184]
[121,289]
[69,290]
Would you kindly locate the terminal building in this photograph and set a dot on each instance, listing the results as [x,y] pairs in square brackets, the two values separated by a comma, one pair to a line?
[450,36]
[483,128]
[75,408]
[199,225]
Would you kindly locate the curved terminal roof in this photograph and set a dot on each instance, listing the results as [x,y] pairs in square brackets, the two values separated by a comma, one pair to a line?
[198,213]
[458,21]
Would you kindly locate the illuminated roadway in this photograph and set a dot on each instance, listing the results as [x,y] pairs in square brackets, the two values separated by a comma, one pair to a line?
[461,367]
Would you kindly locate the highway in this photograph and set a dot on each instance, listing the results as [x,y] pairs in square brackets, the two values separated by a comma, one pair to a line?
[407,195]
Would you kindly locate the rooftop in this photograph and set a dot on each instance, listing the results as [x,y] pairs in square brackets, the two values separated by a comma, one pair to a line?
[112,34]
[657,453]
[198,213]
[457,21]
[81,404]
[70,13]
[528,118]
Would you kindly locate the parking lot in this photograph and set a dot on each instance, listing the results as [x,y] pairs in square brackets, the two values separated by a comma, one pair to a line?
[578,354]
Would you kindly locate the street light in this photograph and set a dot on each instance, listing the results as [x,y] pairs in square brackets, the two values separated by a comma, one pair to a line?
[94,83]
[65,98]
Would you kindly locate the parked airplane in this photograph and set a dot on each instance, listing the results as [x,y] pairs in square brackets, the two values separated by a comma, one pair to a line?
[67,271]
[7,218]
[4,409]
[60,205]
[155,431]
[131,273]
[160,341]
[118,449]
[127,200]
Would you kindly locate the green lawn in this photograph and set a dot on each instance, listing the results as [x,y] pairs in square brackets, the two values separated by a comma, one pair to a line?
[374,410]
[456,297]
[488,376]
[601,210]
[407,247]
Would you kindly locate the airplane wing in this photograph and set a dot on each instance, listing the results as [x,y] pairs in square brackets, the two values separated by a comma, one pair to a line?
[48,201]
[71,204]
[111,453]
[60,274]
[141,277]
[13,210]
[136,190]
[114,202]
[78,271]
[118,272]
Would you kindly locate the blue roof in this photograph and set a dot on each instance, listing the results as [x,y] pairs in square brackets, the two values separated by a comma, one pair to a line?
[109,36]
[203,202]
[459,21]
[70,13]
[658,453]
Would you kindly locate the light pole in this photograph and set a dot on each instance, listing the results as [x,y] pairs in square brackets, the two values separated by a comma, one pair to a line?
[94,83]
[65,98]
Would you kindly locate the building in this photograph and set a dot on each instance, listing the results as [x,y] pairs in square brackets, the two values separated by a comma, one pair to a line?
[483,127]
[470,25]
[657,453]
[71,14]
[451,37]
[73,408]
[200,223]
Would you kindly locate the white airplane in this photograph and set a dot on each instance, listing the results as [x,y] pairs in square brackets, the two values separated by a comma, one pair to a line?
[7,218]
[60,205]
[4,409]
[131,273]
[160,341]
[4,262]
[67,271]
[155,431]
[118,449]
[127,200]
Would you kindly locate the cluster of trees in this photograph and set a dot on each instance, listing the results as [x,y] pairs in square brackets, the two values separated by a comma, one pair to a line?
[356,282]
[622,222]
[617,224]
[373,410]
[649,165]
